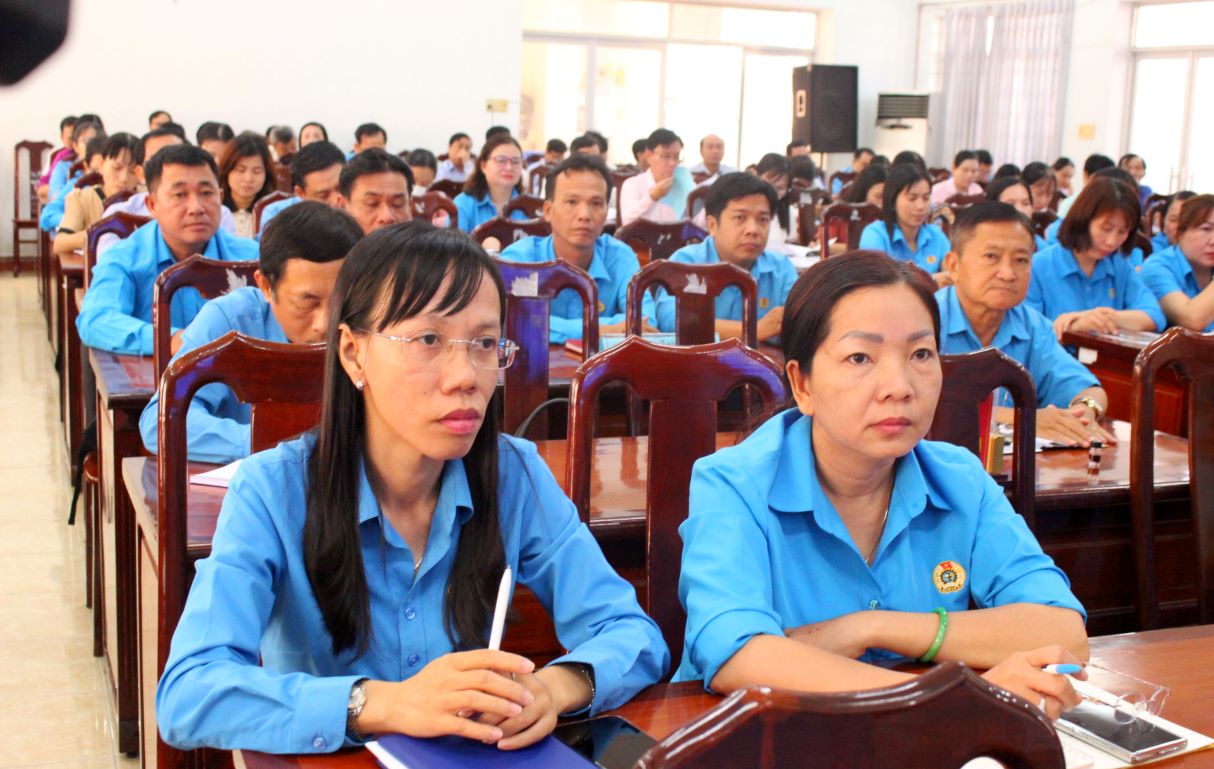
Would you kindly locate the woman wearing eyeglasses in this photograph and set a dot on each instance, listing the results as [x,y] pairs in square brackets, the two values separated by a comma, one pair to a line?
[498,178]
[361,561]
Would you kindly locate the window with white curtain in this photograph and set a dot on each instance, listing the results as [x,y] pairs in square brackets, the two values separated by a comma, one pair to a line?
[1170,118]
[998,73]
[626,67]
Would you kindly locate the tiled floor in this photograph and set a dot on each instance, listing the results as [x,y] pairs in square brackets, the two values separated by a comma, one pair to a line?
[55,711]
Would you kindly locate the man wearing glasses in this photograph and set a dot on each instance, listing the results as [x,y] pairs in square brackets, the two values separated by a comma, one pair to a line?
[644,196]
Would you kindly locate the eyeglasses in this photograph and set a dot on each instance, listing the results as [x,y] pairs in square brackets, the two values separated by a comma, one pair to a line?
[505,161]
[668,158]
[486,352]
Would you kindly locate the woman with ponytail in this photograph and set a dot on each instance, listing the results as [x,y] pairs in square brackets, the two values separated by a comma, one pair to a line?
[360,562]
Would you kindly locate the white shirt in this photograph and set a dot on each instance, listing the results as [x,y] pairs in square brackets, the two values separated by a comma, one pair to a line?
[448,170]
[137,204]
[635,202]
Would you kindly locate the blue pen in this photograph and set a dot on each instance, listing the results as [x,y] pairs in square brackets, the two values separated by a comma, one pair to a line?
[1063,670]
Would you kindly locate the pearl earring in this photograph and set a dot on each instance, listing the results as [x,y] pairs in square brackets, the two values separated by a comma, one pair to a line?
[359,385]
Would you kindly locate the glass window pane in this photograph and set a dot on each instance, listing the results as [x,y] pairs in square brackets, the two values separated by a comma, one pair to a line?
[767,105]
[628,18]
[749,26]
[1156,125]
[702,87]
[1200,175]
[1174,24]
[553,101]
[626,97]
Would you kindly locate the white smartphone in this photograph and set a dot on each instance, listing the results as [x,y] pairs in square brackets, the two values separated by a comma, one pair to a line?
[1131,739]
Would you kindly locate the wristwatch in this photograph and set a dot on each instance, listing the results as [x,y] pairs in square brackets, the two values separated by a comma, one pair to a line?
[1092,404]
[354,708]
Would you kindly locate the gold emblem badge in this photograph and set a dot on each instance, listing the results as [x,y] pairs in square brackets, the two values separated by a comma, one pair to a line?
[602,307]
[949,576]
[931,260]
[764,303]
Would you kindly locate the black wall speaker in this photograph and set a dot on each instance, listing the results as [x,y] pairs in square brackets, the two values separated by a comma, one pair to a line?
[824,107]
[30,31]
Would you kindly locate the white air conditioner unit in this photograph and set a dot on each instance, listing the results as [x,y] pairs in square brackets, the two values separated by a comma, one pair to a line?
[901,123]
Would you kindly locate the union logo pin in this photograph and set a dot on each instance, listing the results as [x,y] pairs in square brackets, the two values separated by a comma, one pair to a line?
[949,576]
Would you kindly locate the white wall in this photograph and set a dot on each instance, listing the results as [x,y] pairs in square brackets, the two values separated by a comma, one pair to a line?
[400,64]
[1098,79]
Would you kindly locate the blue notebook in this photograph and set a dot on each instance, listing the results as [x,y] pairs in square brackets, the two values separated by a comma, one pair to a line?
[396,751]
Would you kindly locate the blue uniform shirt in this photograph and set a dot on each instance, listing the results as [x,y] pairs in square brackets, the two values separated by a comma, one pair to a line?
[930,249]
[217,426]
[764,550]
[52,213]
[117,310]
[612,266]
[836,184]
[1025,336]
[274,209]
[1159,242]
[1058,285]
[251,599]
[1051,232]
[477,211]
[1168,271]
[58,184]
[773,273]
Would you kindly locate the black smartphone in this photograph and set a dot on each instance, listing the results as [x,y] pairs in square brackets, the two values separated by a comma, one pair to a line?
[610,742]
[1130,739]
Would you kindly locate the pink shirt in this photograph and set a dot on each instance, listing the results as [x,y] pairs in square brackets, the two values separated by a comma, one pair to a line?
[635,202]
[947,188]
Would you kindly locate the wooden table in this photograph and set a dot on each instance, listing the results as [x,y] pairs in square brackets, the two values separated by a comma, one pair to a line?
[1114,367]
[1175,658]
[71,387]
[124,386]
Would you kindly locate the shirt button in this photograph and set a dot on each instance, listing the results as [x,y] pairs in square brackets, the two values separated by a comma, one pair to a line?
[413,660]
[319,743]
[874,604]
[409,613]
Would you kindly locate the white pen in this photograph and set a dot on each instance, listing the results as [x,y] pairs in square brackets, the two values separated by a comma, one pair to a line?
[499,611]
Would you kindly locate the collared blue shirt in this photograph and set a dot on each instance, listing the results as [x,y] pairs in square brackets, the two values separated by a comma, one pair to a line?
[1159,242]
[58,184]
[1051,232]
[52,213]
[836,184]
[931,244]
[274,209]
[252,599]
[1025,336]
[477,211]
[773,273]
[138,204]
[612,266]
[217,425]
[764,550]
[1058,285]
[1168,271]
[117,310]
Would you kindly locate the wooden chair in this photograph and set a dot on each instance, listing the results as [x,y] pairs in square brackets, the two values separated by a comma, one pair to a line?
[1192,356]
[695,201]
[699,177]
[209,277]
[283,383]
[683,386]
[89,179]
[529,290]
[530,205]
[658,240]
[807,222]
[844,177]
[938,174]
[509,230]
[618,177]
[969,380]
[284,181]
[76,167]
[448,187]
[695,288]
[120,224]
[1154,214]
[959,201]
[25,204]
[854,216]
[260,206]
[116,198]
[1042,221]
[426,206]
[945,718]
[538,178]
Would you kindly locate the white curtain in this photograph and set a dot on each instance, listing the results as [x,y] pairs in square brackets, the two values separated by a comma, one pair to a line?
[1005,79]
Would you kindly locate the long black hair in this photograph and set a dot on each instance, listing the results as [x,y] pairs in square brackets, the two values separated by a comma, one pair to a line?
[900,177]
[390,275]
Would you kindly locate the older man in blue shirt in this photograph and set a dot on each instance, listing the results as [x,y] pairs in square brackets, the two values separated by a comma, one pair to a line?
[183,196]
[739,208]
[990,263]
[301,254]
[576,206]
